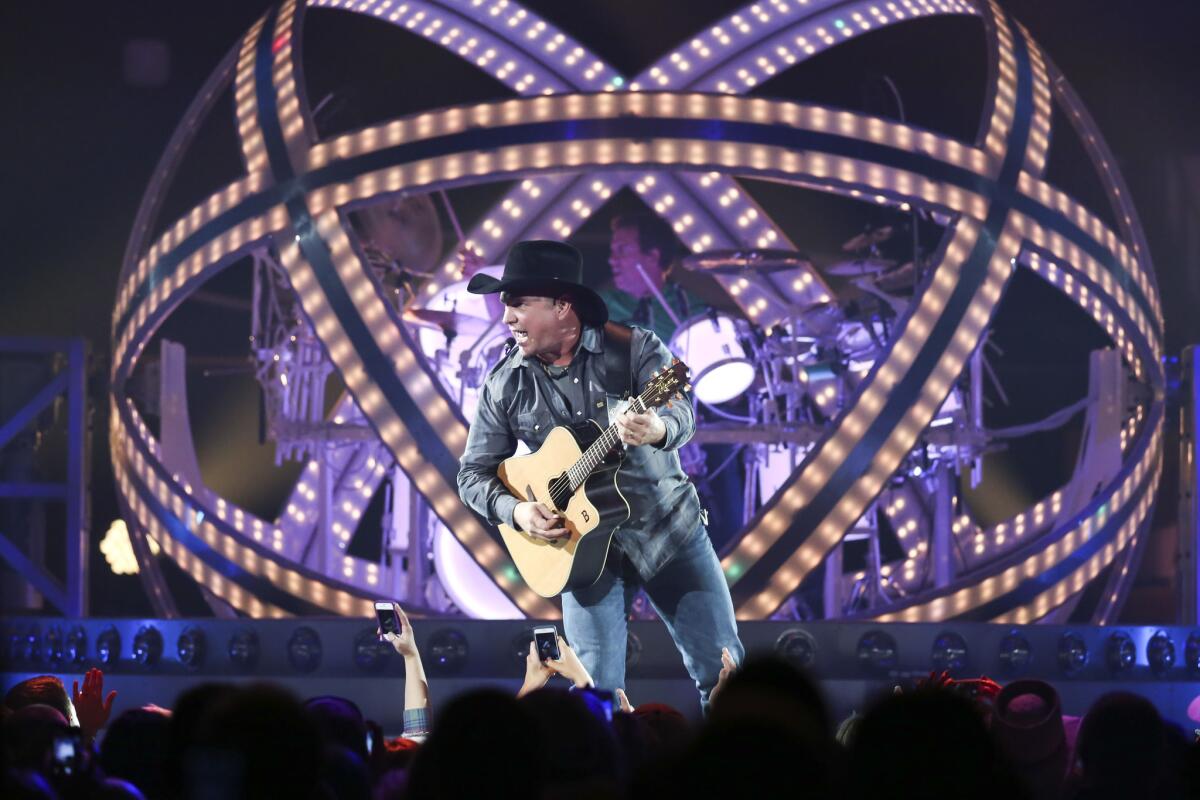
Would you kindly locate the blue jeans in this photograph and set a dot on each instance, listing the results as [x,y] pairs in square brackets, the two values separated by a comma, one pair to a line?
[689,594]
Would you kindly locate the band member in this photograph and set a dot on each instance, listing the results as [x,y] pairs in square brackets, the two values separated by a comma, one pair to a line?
[554,375]
[641,254]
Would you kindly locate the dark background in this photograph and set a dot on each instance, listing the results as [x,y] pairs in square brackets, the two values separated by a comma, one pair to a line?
[82,133]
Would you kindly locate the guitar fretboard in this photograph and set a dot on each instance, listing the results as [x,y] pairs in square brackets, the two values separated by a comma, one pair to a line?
[581,469]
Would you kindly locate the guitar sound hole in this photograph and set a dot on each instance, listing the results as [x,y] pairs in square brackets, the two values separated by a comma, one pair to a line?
[560,491]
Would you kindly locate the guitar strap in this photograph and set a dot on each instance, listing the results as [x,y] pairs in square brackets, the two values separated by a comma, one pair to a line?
[618,360]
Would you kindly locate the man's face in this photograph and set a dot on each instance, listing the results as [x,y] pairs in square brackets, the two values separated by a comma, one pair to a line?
[624,254]
[537,324]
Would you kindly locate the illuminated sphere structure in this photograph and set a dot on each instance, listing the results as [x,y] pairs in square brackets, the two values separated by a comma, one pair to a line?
[575,131]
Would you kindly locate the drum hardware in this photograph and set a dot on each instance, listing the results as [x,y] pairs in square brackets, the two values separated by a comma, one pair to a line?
[860,267]
[868,239]
[738,262]
[450,323]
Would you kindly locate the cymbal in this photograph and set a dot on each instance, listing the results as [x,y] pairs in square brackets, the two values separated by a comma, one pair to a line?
[859,267]
[449,322]
[736,262]
[868,238]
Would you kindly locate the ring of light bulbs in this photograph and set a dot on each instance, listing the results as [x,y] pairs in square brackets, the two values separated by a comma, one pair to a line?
[577,132]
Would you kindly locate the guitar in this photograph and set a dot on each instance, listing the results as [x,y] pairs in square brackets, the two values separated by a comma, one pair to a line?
[574,473]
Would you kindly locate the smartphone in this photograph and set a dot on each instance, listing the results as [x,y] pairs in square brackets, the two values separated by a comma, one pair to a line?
[370,742]
[67,754]
[599,702]
[389,620]
[545,639]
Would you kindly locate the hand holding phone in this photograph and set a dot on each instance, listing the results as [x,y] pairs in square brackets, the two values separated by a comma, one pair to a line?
[395,627]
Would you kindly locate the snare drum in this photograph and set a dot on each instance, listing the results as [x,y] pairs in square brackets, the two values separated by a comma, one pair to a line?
[711,345]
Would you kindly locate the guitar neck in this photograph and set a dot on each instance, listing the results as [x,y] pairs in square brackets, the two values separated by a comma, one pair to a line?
[595,455]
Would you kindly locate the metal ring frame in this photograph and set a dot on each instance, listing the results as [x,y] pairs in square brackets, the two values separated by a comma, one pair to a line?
[677,134]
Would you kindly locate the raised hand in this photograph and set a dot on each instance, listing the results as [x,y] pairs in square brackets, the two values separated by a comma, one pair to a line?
[728,667]
[624,706]
[536,672]
[471,262]
[91,707]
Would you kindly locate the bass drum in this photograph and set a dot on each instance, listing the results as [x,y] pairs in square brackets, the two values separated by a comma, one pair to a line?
[711,344]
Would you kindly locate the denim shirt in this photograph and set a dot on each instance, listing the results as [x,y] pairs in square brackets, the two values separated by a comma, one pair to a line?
[520,400]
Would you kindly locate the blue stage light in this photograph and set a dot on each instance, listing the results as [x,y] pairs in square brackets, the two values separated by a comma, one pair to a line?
[1160,652]
[797,647]
[191,647]
[147,646]
[1015,654]
[108,646]
[1191,653]
[76,646]
[1120,653]
[371,654]
[304,649]
[1072,654]
[448,651]
[244,650]
[877,652]
[949,652]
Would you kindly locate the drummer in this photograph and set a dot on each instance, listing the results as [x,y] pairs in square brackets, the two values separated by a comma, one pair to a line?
[641,253]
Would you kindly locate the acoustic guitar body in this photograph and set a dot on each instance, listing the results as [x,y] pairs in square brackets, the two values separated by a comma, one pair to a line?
[593,513]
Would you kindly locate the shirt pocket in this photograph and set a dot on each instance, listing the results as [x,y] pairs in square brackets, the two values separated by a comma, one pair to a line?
[531,429]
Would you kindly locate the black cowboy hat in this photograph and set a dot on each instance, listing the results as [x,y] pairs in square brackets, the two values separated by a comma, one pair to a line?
[545,268]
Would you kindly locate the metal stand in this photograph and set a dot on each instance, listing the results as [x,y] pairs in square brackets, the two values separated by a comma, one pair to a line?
[69,381]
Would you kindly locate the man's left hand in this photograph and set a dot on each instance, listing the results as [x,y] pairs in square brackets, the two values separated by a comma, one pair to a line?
[638,429]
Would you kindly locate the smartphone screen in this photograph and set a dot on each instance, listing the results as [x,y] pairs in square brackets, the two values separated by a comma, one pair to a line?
[546,642]
[389,620]
[66,754]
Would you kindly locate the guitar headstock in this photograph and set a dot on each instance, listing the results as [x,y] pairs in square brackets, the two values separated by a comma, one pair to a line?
[666,384]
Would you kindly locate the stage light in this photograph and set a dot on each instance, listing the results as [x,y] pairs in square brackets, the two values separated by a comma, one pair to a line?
[877,652]
[949,652]
[371,653]
[52,644]
[1120,653]
[147,646]
[243,650]
[1191,653]
[304,649]
[797,647]
[76,646]
[1072,654]
[108,646]
[519,649]
[1160,652]
[447,651]
[633,650]
[30,644]
[1015,654]
[190,647]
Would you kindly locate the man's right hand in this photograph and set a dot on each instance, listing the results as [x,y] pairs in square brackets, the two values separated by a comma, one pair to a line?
[539,522]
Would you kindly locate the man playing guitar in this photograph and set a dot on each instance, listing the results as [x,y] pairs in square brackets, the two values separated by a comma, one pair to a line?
[555,376]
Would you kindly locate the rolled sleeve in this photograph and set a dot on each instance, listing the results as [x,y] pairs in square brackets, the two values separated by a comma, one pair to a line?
[489,441]
[679,419]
